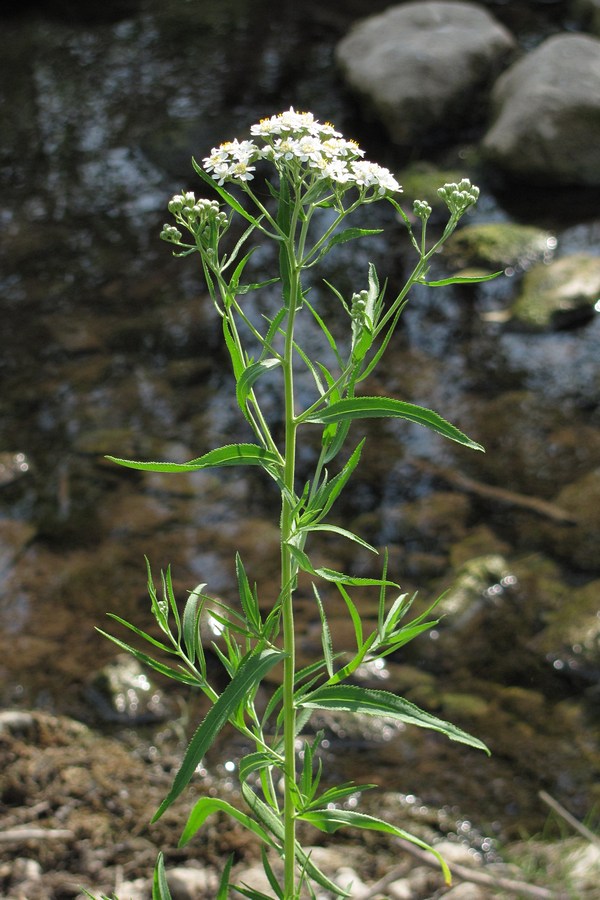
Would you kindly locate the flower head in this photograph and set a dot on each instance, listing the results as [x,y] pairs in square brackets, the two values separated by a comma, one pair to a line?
[303,150]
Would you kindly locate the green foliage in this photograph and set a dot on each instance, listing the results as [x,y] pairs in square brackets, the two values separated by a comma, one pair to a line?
[254,640]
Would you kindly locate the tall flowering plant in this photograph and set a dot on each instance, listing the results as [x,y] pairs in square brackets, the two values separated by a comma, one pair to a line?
[315,168]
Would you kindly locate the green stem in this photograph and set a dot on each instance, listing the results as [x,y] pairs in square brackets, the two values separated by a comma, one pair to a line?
[288,574]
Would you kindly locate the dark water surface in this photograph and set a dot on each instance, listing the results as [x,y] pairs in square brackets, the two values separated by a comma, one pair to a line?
[110,346]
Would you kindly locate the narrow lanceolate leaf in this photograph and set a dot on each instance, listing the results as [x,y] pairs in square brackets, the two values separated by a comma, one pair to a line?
[382,703]
[230,455]
[160,888]
[387,407]
[248,597]
[146,660]
[460,279]
[305,564]
[349,234]
[250,672]
[329,820]
[325,634]
[190,622]
[207,806]
[343,532]
[223,891]
[249,377]
[274,824]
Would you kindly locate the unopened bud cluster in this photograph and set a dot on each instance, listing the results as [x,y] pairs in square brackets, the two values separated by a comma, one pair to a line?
[459,197]
[195,215]
[422,209]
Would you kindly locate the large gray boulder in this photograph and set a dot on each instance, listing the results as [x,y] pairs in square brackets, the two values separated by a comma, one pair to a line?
[424,67]
[546,120]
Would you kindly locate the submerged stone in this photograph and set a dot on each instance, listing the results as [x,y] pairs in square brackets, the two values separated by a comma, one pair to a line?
[122,692]
[560,294]
[499,244]
[571,639]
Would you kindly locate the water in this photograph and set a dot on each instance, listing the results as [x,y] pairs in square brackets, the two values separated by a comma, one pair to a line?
[111,346]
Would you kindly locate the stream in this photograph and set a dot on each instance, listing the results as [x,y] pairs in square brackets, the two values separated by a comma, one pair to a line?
[111,346]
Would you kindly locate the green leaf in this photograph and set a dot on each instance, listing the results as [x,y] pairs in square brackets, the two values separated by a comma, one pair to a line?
[328,335]
[206,807]
[329,820]
[273,823]
[160,888]
[387,407]
[223,193]
[250,375]
[325,634]
[329,491]
[190,622]
[343,532]
[229,455]
[330,574]
[460,279]
[382,703]
[255,762]
[250,672]
[335,794]
[223,890]
[237,356]
[175,674]
[143,634]
[349,234]
[248,597]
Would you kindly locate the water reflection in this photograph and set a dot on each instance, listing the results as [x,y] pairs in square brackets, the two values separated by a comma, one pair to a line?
[111,347]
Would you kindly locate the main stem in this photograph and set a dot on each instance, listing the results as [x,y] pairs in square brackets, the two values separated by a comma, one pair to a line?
[288,575]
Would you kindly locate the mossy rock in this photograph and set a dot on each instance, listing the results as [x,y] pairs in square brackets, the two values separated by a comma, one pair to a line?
[500,245]
[467,596]
[578,543]
[422,180]
[571,640]
[559,295]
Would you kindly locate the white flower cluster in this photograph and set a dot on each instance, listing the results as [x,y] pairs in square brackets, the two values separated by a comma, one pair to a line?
[296,140]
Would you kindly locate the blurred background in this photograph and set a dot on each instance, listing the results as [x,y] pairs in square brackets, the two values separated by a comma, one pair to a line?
[109,345]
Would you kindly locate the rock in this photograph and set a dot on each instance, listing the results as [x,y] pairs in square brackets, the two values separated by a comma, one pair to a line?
[423,67]
[14,538]
[571,639]
[12,466]
[499,244]
[560,143]
[533,448]
[473,588]
[578,544]
[560,294]
[122,692]
[466,891]
[587,14]
[187,883]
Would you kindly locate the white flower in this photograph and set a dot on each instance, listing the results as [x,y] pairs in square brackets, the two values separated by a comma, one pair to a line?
[283,148]
[368,174]
[297,137]
[241,171]
[309,149]
[337,146]
[338,171]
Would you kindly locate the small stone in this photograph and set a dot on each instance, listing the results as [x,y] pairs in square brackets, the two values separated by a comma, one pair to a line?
[187,883]
[466,891]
